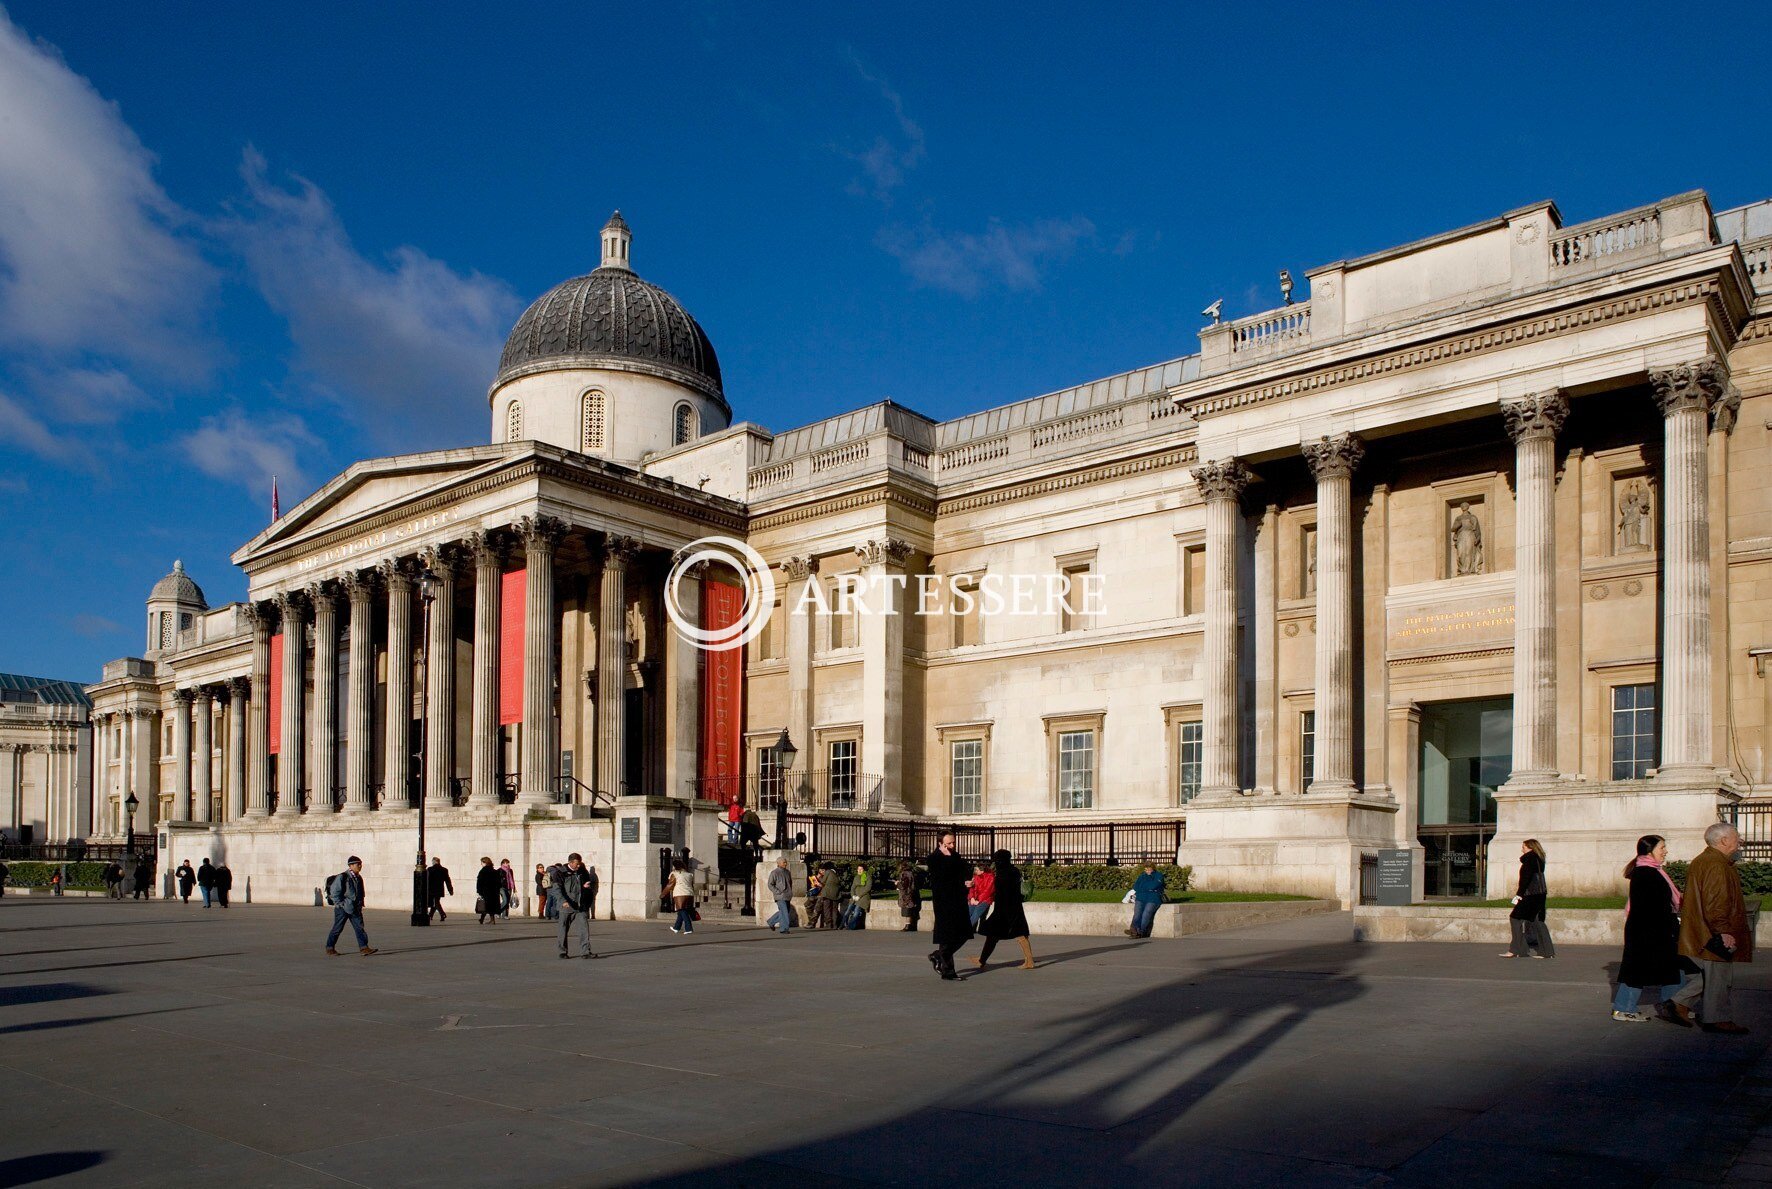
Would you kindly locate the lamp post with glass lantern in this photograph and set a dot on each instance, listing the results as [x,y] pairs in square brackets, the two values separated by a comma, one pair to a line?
[421,901]
[129,808]
[785,751]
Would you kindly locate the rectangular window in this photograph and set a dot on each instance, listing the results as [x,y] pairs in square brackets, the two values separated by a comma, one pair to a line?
[842,773]
[1193,579]
[1070,614]
[968,775]
[1076,769]
[963,614]
[769,782]
[1307,748]
[1633,731]
[842,601]
[1188,752]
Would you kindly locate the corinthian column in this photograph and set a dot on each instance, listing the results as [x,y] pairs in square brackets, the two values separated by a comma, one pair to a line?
[1332,461]
[488,551]
[238,752]
[257,753]
[295,663]
[612,663]
[1221,485]
[882,673]
[1687,396]
[1533,423]
[202,771]
[440,678]
[397,758]
[181,754]
[359,751]
[323,756]
[541,749]
[802,614]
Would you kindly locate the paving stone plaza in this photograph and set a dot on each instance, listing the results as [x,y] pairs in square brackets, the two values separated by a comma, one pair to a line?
[155,1044]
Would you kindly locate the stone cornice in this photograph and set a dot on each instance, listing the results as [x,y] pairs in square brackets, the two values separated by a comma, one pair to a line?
[882,493]
[1167,460]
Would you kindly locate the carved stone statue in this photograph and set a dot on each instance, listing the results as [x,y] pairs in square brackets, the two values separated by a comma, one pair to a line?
[1310,563]
[1633,518]
[636,632]
[1467,543]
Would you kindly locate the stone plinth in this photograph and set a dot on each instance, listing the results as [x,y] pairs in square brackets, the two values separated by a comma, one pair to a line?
[1307,844]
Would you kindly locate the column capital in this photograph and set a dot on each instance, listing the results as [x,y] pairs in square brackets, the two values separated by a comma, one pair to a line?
[240,688]
[618,550]
[440,559]
[395,573]
[290,604]
[883,551]
[358,585]
[204,693]
[800,568]
[1536,416]
[1334,457]
[488,546]
[184,697]
[1696,385]
[258,614]
[539,531]
[1222,480]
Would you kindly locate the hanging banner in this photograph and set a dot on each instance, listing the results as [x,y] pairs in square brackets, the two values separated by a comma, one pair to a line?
[512,587]
[274,704]
[722,698]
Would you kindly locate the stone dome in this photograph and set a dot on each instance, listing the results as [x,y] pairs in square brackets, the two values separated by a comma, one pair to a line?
[178,587]
[611,318]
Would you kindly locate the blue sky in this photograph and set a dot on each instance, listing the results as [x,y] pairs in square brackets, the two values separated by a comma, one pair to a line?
[245,239]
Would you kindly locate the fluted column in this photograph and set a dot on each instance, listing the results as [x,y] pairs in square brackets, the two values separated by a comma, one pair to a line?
[487,549]
[1333,461]
[612,663]
[202,769]
[397,760]
[1688,395]
[801,614]
[101,783]
[238,755]
[142,729]
[258,750]
[323,731]
[541,751]
[882,671]
[295,664]
[359,744]
[181,754]
[1534,423]
[1221,485]
[440,560]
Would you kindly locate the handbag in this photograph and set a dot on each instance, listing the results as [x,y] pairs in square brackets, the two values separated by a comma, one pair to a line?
[479,905]
[695,914]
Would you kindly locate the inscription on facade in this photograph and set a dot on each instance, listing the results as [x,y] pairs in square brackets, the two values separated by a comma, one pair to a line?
[380,539]
[1447,627]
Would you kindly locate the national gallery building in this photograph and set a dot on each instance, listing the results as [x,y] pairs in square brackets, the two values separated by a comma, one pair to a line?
[1472,544]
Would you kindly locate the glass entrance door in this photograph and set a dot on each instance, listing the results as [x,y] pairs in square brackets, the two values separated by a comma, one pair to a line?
[1466,753]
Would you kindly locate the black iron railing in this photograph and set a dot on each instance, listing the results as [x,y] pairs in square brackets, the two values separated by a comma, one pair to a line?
[818,790]
[1053,842]
[570,789]
[65,852]
[460,789]
[1753,821]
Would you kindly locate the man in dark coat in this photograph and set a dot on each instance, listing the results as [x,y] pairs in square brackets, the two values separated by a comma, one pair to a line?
[206,881]
[438,885]
[489,886]
[1008,919]
[187,880]
[142,877]
[577,886]
[224,879]
[948,873]
[1714,929]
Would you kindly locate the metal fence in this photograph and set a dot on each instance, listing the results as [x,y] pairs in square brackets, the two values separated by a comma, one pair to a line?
[818,790]
[1055,842]
[1753,820]
[71,852]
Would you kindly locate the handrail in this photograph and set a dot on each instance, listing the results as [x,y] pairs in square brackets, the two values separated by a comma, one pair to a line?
[563,786]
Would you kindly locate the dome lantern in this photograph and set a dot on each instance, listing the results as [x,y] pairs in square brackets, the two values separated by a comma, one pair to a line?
[616,241]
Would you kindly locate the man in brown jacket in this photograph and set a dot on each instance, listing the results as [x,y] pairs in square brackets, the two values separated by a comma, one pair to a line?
[1714,929]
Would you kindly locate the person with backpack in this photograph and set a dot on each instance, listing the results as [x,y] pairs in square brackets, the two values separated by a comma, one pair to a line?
[1007,917]
[489,888]
[345,893]
[574,889]
[206,881]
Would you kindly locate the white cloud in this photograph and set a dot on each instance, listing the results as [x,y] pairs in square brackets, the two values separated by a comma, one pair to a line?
[93,626]
[405,345]
[251,449]
[23,430]
[887,161]
[1012,256]
[94,258]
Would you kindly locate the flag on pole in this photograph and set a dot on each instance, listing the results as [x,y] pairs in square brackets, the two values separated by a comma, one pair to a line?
[276,508]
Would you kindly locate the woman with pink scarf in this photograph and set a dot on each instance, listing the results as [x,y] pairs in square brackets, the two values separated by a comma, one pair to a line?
[1651,937]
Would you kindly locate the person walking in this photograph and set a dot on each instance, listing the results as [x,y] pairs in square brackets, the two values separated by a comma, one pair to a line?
[346,894]
[1147,897]
[489,890]
[437,885]
[224,883]
[544,894]
[830,893]
[1714,930]
[187,880]
[4,872]
[734,818]
[978,896]
[1007,919]
[113,877]
[910,904]
[948,873]
[1527,918]
[1651,936]
[206,881]
[510,877]
[55,881]
[861,898]
[781,890]
[572,890]
[680,887]
[142,877]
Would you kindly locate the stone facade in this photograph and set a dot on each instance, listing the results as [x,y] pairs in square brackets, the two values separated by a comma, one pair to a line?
[45,760]
[1471,546]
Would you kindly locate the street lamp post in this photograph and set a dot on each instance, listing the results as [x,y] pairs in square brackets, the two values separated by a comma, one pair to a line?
[785,751]
[421,901]
[129,807]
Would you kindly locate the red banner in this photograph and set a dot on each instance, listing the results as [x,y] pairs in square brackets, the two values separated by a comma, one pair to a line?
[274,704]
[512,587]
[722,697]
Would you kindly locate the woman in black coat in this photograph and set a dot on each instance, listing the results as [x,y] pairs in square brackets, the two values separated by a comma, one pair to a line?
[489,886]
[1651,936]
[1007,918]
[1527,918]
[948,873]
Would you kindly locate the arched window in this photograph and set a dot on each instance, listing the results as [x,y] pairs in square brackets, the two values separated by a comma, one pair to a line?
[591,434]
[685,426]
[514,422]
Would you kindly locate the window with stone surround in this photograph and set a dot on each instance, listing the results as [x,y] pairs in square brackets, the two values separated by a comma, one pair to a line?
[1193,577]
[514,421]
[1076,567]
[1073,757]
[842,768]
[1634,731]
[842,630]
[1307,748]
[966,776]
[683,427]
[1189,749]
[769,778]
[964,616]
[593,427]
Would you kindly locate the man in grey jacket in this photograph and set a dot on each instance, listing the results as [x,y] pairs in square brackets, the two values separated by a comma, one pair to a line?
[781,890]
[578,888]
[344,892]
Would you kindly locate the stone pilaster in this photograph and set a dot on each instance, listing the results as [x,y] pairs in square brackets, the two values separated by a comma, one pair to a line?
[359,708]
[239,753]
[882,672]
[257,753]
[101,784]
[202,768]
[440,676]
[1688,396]
[800,618]
[1221,485]
[1533,423]
[291,744]
[142,731]
[488,552]
[1333,461]
[682,684]
[323,731]
[541,626]
[612,656]
[396,791]
[181,754]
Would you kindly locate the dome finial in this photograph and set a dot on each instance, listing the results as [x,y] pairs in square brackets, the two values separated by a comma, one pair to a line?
[616,240]
[178,567]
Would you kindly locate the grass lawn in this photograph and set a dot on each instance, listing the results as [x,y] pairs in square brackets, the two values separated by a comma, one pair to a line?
[1108,896]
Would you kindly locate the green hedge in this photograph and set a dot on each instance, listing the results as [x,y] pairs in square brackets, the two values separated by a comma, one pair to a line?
[36,875]
[1756,878]
[1098,877]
